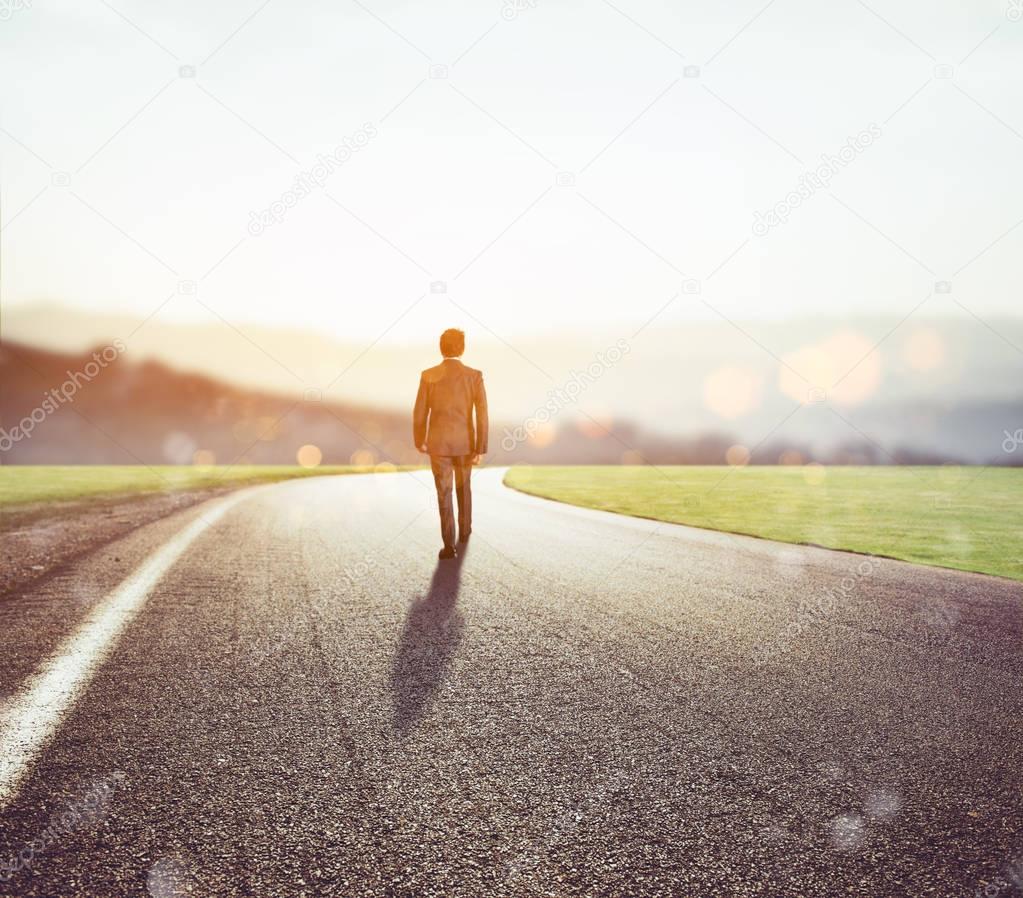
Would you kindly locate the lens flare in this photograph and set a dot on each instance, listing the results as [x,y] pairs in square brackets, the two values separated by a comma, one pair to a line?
[309,456]
[924,350]
[204,457]
[731,392]
[845,368]
[737,455]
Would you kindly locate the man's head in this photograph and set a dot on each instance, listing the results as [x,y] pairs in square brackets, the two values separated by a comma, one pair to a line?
[452,343]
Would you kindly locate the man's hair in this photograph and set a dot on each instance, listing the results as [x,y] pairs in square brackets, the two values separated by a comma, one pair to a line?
[452,343]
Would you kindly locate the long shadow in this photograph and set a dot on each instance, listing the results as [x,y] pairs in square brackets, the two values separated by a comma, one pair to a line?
[432,631]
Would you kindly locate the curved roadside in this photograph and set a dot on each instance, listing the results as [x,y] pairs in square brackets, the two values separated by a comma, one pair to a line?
[40,538]
[923,520]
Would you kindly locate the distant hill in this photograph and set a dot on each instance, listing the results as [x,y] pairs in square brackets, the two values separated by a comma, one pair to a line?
[927,387]
[149,413]
[145,412]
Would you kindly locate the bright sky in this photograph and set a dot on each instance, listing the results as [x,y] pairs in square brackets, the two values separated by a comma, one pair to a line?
[141,140]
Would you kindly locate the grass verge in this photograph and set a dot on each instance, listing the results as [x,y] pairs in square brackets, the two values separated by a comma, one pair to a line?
[958,517]
[22,485]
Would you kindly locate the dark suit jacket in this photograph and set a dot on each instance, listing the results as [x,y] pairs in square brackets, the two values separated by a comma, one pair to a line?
[442,417]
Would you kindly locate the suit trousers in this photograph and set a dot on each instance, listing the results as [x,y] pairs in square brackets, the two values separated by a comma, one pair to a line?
[445,469]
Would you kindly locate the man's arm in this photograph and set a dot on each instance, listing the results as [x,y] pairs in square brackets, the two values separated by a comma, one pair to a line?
[420,414]
[479,400]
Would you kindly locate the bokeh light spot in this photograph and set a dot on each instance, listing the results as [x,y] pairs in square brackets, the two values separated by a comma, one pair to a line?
[924,350]
[363,457]
[847,832]
[542,436]
[309,456]
[737,455]
[731,392]
[882,804]
[204,457]
[846,367]
[596,425]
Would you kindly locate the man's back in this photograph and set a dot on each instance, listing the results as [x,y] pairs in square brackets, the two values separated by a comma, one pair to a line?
[443,416]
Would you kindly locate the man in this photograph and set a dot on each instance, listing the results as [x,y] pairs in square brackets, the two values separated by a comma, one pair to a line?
[442,426]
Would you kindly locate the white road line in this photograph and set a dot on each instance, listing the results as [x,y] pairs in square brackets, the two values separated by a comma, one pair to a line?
[31,717]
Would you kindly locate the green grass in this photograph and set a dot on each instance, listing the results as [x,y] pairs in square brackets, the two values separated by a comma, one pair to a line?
[29,484]
[957,517]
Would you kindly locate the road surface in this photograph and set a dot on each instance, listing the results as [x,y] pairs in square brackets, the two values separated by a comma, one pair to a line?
[302,701]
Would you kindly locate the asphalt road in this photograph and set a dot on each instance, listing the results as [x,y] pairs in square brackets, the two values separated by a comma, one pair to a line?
[308,703]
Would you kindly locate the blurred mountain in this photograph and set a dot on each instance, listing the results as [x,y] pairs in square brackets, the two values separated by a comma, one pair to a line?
[870,389]
[147,412]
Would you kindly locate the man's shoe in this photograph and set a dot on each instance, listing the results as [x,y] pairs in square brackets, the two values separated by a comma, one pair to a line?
[464,537]
[446,552]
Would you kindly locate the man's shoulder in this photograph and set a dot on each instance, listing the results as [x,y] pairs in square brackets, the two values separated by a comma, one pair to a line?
[440,372]
[432,375]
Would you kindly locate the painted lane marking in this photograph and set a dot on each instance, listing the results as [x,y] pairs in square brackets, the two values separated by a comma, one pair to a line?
[31,717]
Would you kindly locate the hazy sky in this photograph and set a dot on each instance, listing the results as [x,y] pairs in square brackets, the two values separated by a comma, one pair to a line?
[141,140]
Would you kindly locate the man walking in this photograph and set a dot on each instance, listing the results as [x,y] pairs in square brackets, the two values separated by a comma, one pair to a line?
[442,425]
